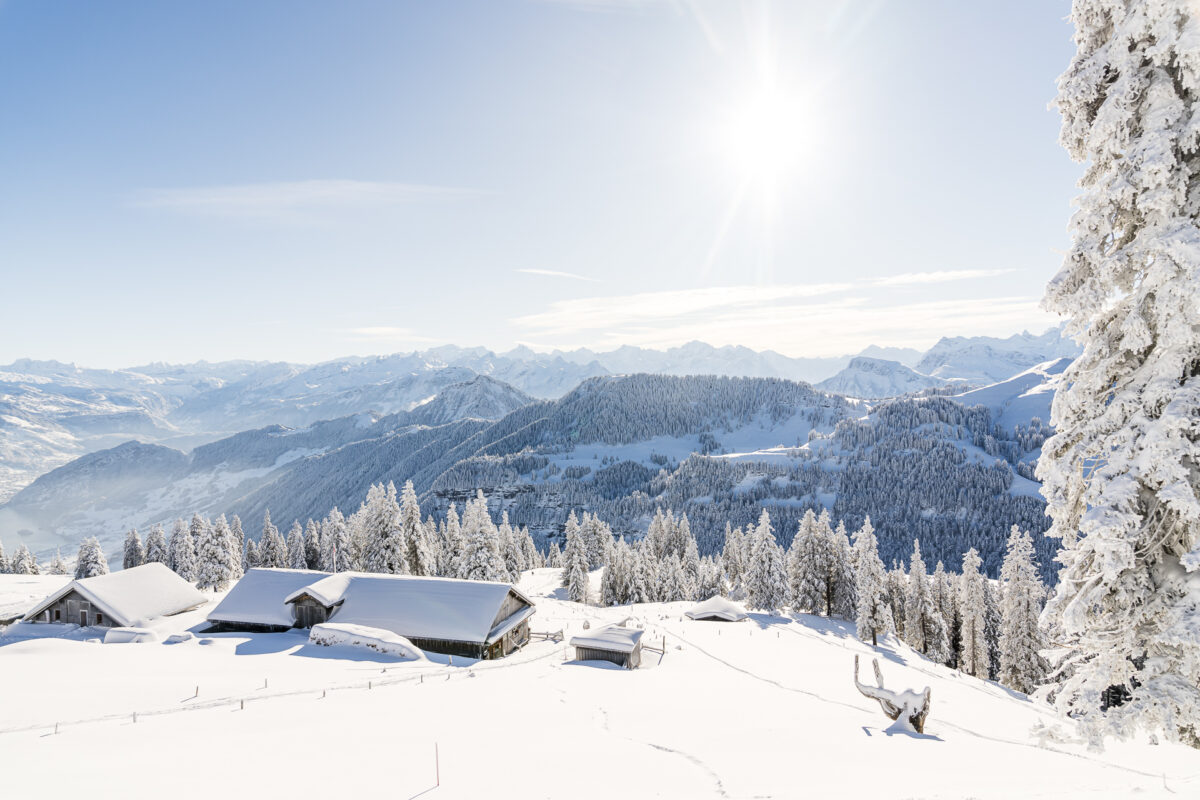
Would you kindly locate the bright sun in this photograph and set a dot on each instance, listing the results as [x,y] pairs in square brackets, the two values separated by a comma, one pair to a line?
[767,136]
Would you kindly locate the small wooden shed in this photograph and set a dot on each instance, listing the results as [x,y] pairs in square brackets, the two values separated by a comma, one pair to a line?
[119,599]
[613,643]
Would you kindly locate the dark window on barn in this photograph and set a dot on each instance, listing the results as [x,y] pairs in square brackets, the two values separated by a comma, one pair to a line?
[57,614]
[99,618]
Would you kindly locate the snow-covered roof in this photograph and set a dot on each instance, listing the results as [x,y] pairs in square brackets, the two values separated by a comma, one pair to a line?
[132,595]
[260,597]
[610,637]
[418,607]
[718,607]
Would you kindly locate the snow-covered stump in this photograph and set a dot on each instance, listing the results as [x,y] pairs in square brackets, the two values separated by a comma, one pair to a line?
[908,708]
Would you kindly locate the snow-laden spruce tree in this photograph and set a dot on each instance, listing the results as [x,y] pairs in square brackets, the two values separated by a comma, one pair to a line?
[554,558]
[91,561]
[807,566]
[572,541]
[510,549]
[336,555]
[974,654]
[844,592]
[134,554]
[185,557]
[533,558]
[420,551]
[453,546]
[992,623]
[178,532]
[57,565]
[924,627]
[1021,666]
[4,567]
[156,546]
[481,559]
[614,582]
[712,579]
[945,595]
[766,578]
[874,609]
[214,560]
[733,560]
[23,562]
[237,538]
[312,544]
[1120,474]
[250,555]
[272,550]
[295,547]
[378,519]
[897,589]
[575,563]
[196,529]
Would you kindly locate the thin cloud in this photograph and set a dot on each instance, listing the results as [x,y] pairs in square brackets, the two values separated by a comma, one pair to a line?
[556,274]
[822,320]
[290,199]
[944,276]
[384,333]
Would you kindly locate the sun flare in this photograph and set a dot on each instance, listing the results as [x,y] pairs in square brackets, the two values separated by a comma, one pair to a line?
[767,135]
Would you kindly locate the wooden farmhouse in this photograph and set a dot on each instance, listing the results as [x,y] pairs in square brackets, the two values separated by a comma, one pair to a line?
[476,619]
[613,643]
[717,609]
[122,599]
[257,602]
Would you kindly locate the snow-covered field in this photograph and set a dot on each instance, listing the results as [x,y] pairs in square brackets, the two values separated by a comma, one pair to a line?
[761,708]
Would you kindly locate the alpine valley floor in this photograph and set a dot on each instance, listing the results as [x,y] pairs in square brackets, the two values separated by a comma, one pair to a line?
[762,708]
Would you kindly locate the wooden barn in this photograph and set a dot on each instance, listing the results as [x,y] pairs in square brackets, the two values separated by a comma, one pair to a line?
[119,599]
[476,619]
[717,609]
[614,643]
[258,601]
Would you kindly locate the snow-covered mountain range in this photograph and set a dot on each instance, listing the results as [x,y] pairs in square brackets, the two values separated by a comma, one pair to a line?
[719,449]
[51,413]
[874,378]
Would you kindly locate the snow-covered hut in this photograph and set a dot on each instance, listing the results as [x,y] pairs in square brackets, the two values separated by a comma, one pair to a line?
[477,619]
[717,609]
[613,643]
[258,601]
[122,599]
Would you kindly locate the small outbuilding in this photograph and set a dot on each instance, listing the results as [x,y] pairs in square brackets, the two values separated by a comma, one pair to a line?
[717,609]
[128,598]
[613,643]
[257,602]
[476,619]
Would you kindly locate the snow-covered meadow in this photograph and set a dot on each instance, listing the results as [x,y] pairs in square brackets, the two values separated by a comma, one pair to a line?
[761,708]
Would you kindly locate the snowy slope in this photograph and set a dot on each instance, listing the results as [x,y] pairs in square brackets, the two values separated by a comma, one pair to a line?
[1021,398]
[764,708]
[875,378]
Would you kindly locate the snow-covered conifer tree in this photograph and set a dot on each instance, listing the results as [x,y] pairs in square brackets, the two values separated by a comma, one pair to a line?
[312,545]
[554,557]
[419,555]
[4,565]
[481,559]
[712,579]
[23,562]
[452,550]
[844,593]
[766,578]
[924,626]
[250,556]
[295,547]
[572,540]
[733,560]
[214,560]
[1120,475]
[575,563]
[510,549]
[335,543]
[993,620]
[175,545]
[614,582]
[156,546]
[874,610]
[185,557]
[91,561]
[807,566]
[974,656]
[272,550]
[689,564]
[897,592]
[945,596]
[57,565]
[196,529]
[1021,666]
[237,538]
[134,553]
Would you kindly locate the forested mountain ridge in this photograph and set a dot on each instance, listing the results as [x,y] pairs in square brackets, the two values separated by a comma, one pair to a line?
[719,449]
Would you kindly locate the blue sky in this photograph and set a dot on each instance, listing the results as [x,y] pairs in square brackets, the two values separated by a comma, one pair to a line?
[304,180]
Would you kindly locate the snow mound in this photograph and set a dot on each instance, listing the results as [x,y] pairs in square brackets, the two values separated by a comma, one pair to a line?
[717,607]
[129,636]
[329,634]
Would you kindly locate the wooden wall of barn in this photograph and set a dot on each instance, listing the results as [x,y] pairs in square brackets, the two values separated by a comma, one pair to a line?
[74,608]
